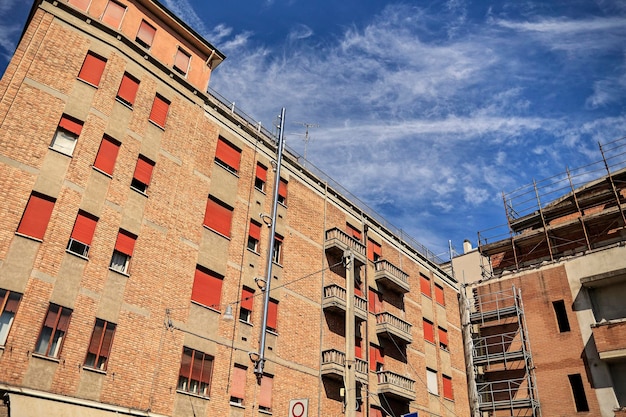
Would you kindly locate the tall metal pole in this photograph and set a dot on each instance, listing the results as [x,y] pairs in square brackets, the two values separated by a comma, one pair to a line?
[350,363]
[260,363]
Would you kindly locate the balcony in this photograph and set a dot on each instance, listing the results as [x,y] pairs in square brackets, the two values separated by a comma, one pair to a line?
[338,242]
[333,365]
[392,277]
[387,324]
[610,338]
[335,301]
[397,386]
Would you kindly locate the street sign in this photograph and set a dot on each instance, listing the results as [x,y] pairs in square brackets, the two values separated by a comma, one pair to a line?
[299,408]
[413,414]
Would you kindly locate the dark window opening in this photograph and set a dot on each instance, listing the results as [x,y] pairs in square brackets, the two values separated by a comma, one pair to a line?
[578,390]
[561,315]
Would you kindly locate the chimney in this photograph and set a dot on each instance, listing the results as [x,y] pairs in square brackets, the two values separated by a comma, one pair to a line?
[467,246]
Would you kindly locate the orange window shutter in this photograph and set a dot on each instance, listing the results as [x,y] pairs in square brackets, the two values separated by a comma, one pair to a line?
[261,172]
[207,289]
[128,89]
[125,243]
[80,4]
[181,62]
[265,397]
[12,303]
[429,331]
[282,188]
[228,154]
[272,314]
[36,216]
[373,248]
[113,14]
[425,286]
[84,228]
[107,154]
[439,296]
[96,337]
[238,383]
[255,230]
[353,231]
[92,69]
[107,341]
[71,125]
[143,170]
[218,217]
[247,299]
[64,319]
[158,114]
[443,336]
[146,33]
[185,363]
[447,387]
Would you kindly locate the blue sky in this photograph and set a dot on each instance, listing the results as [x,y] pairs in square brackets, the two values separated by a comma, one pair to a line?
[427,110]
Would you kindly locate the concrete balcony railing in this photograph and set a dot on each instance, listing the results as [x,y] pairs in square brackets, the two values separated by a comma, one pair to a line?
[338,242]
[335,300]
[610,338]
[391,276]
[394,385]
[388,325]
[334,362]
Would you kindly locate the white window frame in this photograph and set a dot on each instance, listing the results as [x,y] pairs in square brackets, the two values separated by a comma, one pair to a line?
[64,142]
[119,262]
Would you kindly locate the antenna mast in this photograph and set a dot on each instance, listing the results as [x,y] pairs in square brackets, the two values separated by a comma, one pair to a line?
[306,134]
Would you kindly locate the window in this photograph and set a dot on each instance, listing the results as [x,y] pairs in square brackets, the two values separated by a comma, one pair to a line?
[447,387]
[245,307]
[81,4]
[358,347]
[80,239]
[282,192]
[100,345]
[52,334]
[272,315]
[374,250]
[160,107]
[64,140]
[561,315]
[142,175]
[145,34]
[113,14]
[128,90]
[277,256]
[254,236]
[429,331]
[92,69]
[36,216]
[218,216]
[207,288]
[195,372]
[227,156]
[375,301]
[443,338]
[238,385]
[353,232]
[377,358]
[578,390]
[124,247]
[261,177]
[265,397]
[181,62]
[431,381]
[107,154]
[425,285]
[9,302]
[439,296]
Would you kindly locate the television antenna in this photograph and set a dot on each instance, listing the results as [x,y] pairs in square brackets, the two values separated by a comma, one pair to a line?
[307,138]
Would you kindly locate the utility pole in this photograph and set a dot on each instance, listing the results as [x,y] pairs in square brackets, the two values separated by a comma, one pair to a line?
[350,364]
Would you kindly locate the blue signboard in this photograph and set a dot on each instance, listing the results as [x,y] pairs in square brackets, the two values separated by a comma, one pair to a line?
[414,414]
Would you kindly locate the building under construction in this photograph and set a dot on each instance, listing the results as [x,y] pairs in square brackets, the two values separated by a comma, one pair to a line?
[545,319]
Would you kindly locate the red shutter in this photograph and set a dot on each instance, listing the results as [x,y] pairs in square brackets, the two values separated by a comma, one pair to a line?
[353,231]
[425,286]
[228,154]
[143,170]
[92,69]
[282,189]
[443,336]
[36,216]
[64,320]
[238,383]
[255,230]
[113,14]
[80,4]
[96,337]
[375,302]
[158,114]
[247,298]
[265,397]
[108,340]
[207,289]
[207,367]
[185,363]
[125,243]
[128,89]
[439,297]
[196,369]
[146,33]
[272,314]
[107,154]
[376,356]
[429,331]
[181,62]
[358,351]
[447,387]
[71,125]
[261,172]
[357,288]
[375,412]
[84,228]
[373,248]
[12,303]
[218,217]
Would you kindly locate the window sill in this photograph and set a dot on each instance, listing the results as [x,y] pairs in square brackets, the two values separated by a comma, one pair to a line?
[254,252]
[246,323]
[78,255]
[227,168]
[191,394]
[152,122]
[36,239]
[207,307]
[69,155]
[216,232]
[428,341]
[102,172]
[124,103]
[45,358]
[237,405]
[267,412]
[260,190]
[87,82]
[270,331]
[94,370]
[126,274]
[143,193]
[445,349]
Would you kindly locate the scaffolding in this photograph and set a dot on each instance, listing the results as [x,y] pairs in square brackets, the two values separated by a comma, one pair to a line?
[500,357]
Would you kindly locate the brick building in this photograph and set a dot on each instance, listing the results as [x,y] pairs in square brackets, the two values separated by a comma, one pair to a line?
[547,311]
[134,222]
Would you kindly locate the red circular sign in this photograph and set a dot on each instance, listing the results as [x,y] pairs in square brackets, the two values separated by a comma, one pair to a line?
[300,409]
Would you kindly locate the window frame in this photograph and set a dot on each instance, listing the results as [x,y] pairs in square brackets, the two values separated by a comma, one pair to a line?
[277,254]
[218,216]
[448,391]
[429,335]
[123,252]
[374,250]
[151,31]
[50,344]
[178,64]
[265,393]
[282,191]
[38,210]
[108,18]
[92,69]
[159,111]
[100,358]
[443,338]
[8,310]
[142,175]
[107,155]
[272,316]
[440,295]
[260,177]
[238,385]
[82,234]
[246,305]
[207,288]
[127,91]
[254,236]
[68,131]
[197,388]
[227,156]
[425,287]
